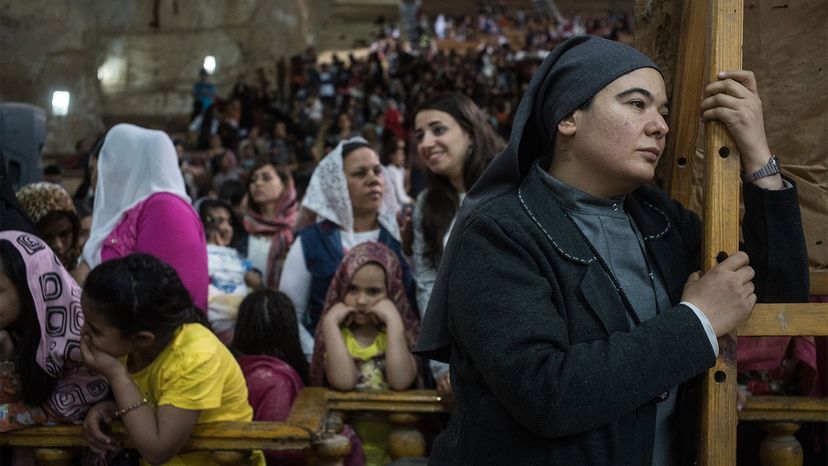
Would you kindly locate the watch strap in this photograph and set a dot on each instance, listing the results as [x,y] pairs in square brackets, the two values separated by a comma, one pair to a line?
[768,169]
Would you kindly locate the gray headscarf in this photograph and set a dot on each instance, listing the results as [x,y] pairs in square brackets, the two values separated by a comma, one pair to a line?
[569,76]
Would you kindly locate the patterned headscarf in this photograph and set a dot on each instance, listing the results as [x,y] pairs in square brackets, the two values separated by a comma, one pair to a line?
[369,252]
[327,194]
[56,299]
[43,198]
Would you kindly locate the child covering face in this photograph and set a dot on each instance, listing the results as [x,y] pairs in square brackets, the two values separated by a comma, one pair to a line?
[367,326]
[168,372]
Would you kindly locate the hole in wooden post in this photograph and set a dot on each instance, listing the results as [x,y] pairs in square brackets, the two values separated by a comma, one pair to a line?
[721,256]
[819,242]
[724,152]
[720,376]
[681,161]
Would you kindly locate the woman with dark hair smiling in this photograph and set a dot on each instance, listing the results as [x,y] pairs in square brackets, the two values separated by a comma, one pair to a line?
[456,143]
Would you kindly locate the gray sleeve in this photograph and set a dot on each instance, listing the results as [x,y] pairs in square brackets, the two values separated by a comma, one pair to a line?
[424,272]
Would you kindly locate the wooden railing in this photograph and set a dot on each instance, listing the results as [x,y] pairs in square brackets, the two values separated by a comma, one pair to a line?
[312,426]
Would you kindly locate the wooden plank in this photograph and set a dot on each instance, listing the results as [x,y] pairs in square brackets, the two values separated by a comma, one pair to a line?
[720,218]
[217,436]
[819,282]
[786,320]
[686,99]
[785,408]
[412,401]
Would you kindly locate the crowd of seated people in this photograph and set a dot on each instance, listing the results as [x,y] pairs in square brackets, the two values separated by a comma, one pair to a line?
[297,229]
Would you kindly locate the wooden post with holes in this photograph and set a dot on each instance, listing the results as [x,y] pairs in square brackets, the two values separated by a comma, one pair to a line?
[686,98]
[720,221]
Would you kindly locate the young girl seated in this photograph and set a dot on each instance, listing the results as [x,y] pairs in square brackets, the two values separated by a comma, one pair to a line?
[267,341]
[168,371]
[364,336]
[41,377]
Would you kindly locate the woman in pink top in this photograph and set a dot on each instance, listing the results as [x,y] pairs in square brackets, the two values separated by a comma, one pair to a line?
[141,206]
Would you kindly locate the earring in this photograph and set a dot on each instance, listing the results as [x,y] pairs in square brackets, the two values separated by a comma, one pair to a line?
[470,151]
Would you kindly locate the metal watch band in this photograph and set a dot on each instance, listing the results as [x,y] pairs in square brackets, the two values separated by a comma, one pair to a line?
[768,169]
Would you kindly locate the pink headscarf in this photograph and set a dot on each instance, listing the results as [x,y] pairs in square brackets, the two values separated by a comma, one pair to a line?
[280,228]
[56,299]
[365,253]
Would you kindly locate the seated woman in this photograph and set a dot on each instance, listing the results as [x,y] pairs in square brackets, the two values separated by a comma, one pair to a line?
[348,193]
[269,219]
[141,205]
[41,377]
[51,209]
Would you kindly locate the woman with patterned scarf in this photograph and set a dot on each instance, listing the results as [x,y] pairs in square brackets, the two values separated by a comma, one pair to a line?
[51,209]
[270,216]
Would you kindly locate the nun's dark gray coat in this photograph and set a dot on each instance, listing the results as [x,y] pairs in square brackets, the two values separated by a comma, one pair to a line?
[544,365]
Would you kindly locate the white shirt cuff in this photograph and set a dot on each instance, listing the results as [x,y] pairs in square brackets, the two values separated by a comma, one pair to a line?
[708,329]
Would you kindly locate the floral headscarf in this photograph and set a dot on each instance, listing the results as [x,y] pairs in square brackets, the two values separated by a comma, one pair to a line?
[42,199]
[327,194]
[56,299]
[369,252]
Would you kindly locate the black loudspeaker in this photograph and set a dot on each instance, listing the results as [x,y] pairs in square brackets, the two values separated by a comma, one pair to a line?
[22,134]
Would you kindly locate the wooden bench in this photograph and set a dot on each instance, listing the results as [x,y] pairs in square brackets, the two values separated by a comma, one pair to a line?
[312,426]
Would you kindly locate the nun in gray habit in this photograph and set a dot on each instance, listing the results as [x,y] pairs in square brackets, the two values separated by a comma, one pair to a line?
[566,301]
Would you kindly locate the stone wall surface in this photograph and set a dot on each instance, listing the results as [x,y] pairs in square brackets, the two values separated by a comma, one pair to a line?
[150,52]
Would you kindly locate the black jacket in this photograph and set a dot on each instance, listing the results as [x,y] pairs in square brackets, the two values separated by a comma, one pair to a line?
[544,365]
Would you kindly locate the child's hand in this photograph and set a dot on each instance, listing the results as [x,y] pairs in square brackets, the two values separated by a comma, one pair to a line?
[97,360]
[96,428]
[253,279]
[385,311]
[338,314]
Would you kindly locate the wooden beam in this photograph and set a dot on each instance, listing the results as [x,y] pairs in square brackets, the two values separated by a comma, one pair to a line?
[412,401]
[786,319]
[785,408]
[688,83]
[720,220]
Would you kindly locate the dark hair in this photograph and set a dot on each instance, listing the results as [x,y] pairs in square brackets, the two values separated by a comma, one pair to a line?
[52,170]
[36,384]
[266,325]
[140,292]
[232,191]
[239,242]
[261,163]
[442,201]
[86,184]
[349,147]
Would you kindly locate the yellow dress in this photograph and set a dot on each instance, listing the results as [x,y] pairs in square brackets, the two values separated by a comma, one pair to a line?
[371,428]
[197,372]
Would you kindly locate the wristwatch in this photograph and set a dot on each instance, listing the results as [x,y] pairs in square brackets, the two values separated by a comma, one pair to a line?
[768,169]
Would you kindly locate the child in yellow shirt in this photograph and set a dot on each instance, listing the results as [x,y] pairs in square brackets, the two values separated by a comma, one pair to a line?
[167,371]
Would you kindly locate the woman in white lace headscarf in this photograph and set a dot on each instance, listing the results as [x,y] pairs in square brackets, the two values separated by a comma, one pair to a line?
[347,194]
[141,205]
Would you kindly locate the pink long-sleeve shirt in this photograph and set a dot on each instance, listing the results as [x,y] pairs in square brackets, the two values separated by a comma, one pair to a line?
[167,227]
